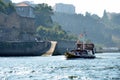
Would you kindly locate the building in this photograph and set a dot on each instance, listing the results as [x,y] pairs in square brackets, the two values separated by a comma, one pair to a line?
[25,9]
[64,8]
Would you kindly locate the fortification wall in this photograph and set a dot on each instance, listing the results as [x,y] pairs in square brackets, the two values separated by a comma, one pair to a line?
[13,26]
[24,48]
[63,46]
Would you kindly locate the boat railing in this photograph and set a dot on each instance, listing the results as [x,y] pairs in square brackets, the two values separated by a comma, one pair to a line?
[85,46]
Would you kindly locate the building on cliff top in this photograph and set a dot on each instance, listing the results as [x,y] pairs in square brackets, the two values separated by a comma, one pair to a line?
[25,9]
[64,8]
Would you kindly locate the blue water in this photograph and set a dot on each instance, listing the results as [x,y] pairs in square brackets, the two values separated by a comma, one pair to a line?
[105,67]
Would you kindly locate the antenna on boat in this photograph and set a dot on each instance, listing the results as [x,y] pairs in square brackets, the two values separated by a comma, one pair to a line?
[82,37]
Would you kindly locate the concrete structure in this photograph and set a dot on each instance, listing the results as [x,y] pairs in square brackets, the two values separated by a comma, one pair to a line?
[25,9]
[17,48]
[63,46]
[51,50]
[64,8]
[16,28]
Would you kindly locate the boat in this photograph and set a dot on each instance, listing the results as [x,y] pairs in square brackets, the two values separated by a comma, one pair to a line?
[87,52]
[82,50]
[18,48]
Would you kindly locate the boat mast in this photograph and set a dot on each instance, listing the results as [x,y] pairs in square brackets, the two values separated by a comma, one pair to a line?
[83,38]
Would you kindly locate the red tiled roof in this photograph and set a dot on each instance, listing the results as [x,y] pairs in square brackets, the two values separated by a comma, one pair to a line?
[22,4]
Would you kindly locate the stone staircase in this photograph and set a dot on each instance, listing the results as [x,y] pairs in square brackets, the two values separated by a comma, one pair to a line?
[51,50]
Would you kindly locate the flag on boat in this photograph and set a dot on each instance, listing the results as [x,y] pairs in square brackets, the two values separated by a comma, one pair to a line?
[82,37]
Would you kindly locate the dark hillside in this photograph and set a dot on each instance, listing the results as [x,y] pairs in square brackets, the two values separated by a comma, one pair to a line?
[99,30]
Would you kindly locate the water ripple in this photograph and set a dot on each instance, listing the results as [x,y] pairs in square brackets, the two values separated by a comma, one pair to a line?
[105,67]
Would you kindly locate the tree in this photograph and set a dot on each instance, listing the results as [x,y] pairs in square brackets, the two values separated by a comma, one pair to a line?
[10,8]
[46,29]
[44,8]
[43,15]
[6,8]
[2,7]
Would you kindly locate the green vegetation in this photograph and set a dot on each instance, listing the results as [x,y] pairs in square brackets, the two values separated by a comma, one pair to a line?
[46,28]
[54,33]
[103,31]
[43,15]
[100,30]
[112,23]
[6,8]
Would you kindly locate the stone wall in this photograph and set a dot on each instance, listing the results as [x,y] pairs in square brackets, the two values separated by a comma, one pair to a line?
[24,48]
[14,27]
[63,46]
